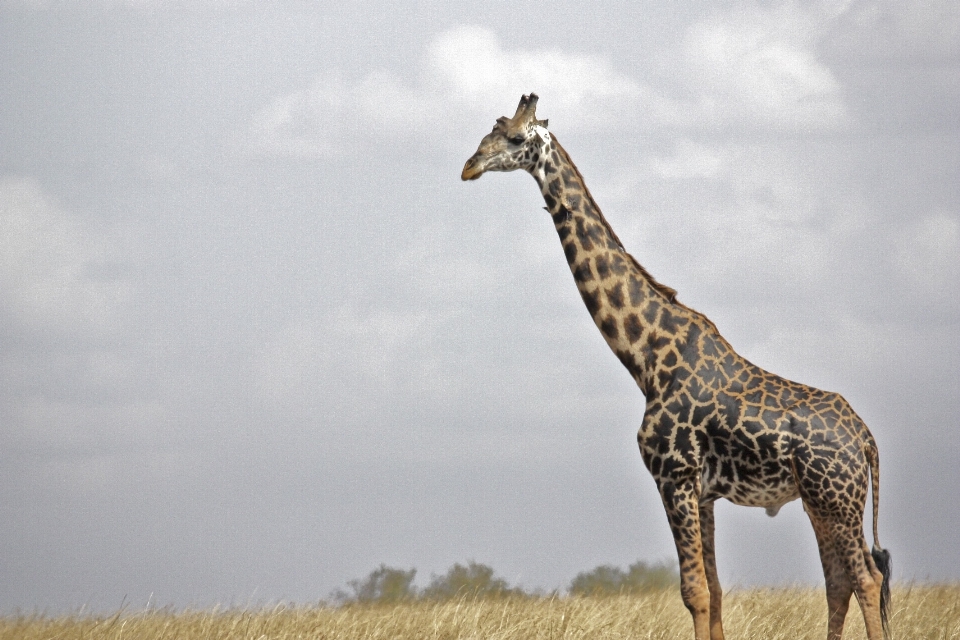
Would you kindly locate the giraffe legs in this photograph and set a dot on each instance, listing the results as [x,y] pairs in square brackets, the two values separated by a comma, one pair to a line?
[680,500]
[838,584]
[862,572]
[710,568]
[848,568]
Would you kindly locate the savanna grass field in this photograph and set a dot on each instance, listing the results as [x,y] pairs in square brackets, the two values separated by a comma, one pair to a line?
[919,612]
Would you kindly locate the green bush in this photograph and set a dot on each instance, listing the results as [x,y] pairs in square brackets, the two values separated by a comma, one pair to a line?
[387,585]
[474,581]
[384,585]
[638,578]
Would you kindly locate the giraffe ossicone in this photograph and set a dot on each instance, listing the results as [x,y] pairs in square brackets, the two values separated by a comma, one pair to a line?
[715,425]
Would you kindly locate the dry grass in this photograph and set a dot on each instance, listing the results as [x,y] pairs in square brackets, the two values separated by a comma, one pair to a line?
[920,612]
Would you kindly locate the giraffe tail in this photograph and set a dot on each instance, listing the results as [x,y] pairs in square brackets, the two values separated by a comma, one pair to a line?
[881,557]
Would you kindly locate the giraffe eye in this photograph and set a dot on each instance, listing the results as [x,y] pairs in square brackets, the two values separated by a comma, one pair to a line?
[516,139]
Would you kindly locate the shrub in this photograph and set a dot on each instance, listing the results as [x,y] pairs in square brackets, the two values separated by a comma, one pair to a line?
[384,585]
[474,580]
[638,578]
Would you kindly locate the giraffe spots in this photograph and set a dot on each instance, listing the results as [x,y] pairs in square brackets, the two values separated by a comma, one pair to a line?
[627,360]
[683,444]
[657,342]
[655,468]
[561,214]
[702,442]
[651,311]
[618,265]
[767,444]
[666,378]
[634,329]
[787,396]
[701,413]
[615,296]
[603,266]
[673,468]
[742,449]
[573,200]
[730,366]
[698,391]
[583,273]
[752,427]
[554,187]
[727,470]
[710,374]
[570,250]
[711,347]
[688,348]
[680,408]
[637,298]
[609,327]
[668,321]
[730,409]
[595,235]
[771,418]
[799,428]
[718,434]
[591,300]
[585,240]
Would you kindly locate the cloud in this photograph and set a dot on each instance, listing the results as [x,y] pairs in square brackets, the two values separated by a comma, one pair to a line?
[465,69]
[928,260]
[347,350]
[476,71]
[54,274]
[754,69]
[323,119]
[878,32]
[72,374]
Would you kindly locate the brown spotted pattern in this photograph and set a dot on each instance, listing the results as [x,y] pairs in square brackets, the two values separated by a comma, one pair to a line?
[715,425]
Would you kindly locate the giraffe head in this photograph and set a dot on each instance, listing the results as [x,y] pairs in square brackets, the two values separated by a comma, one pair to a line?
[515,143]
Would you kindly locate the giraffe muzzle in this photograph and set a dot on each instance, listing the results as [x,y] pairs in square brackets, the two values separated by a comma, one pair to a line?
[472,170]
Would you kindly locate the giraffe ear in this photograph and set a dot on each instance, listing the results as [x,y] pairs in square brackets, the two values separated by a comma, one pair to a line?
[543,123]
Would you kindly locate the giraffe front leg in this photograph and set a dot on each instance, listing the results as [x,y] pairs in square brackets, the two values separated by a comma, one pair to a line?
[680,499]
[710,568]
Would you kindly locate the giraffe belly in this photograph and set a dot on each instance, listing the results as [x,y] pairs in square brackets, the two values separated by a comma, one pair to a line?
[771,497]
[770,492]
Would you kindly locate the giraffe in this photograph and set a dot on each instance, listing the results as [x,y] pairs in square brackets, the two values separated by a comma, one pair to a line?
[715,425]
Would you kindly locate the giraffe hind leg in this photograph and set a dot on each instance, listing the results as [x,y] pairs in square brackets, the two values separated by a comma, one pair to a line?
[851,549]
[839,587]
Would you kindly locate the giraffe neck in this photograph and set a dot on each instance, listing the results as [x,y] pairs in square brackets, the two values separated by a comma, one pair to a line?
[637,316]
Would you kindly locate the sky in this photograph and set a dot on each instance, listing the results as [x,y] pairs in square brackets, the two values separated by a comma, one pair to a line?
[257,337]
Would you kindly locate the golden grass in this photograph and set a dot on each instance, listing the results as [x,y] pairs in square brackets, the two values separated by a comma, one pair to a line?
[919,612]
